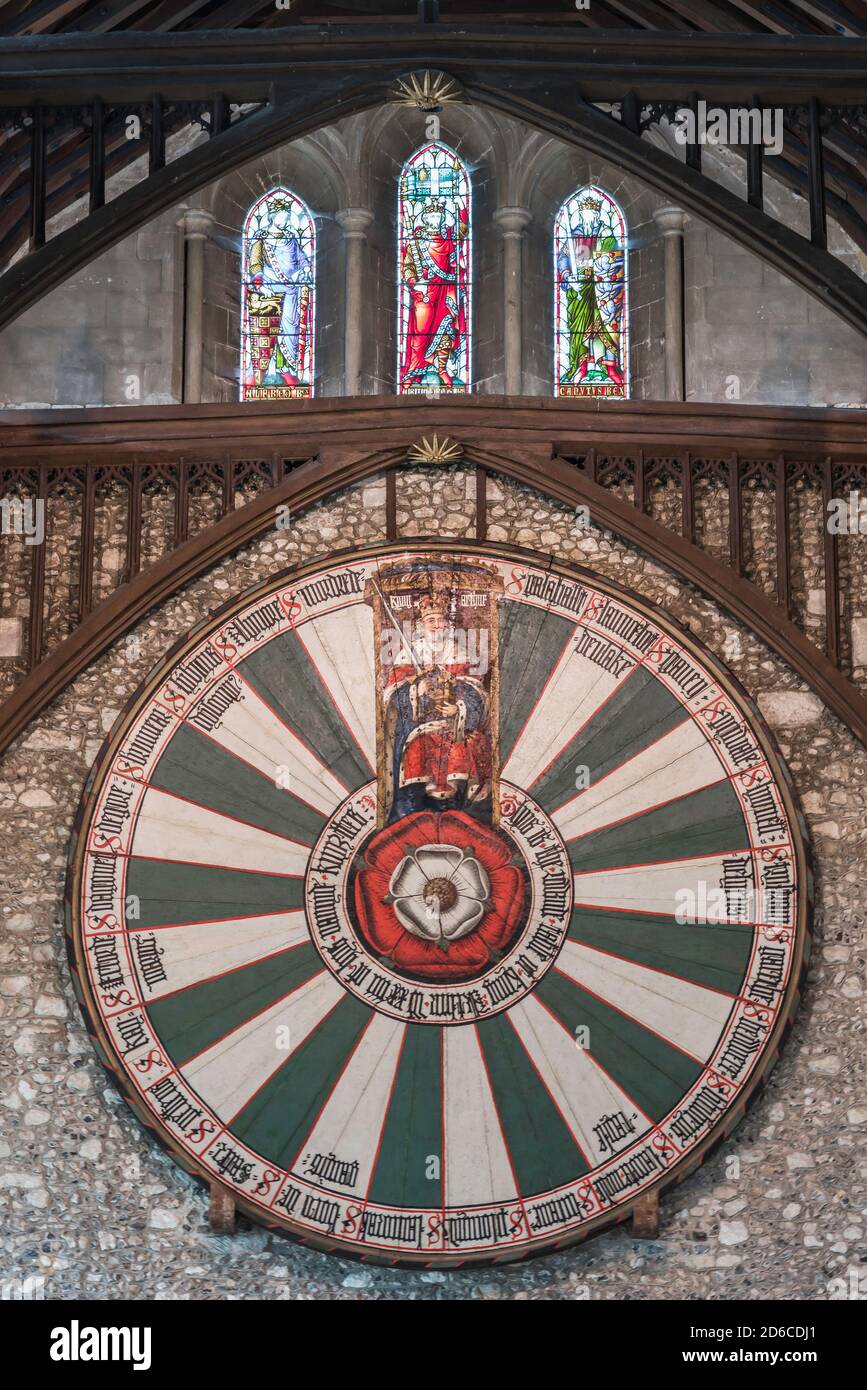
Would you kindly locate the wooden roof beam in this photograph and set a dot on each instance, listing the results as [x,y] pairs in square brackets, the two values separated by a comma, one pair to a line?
[233,14]
[35,16]
[646,14]
[169,15]
[710,17]
[112,14]
[839,18]
[127,67]
[776,17]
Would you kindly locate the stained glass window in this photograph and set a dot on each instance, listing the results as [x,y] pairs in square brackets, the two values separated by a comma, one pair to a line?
[278,299]
[434,274]
[590,308]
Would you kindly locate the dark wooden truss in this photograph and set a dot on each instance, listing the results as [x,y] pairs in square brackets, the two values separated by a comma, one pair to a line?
[209,479]
[705,16]
[66,94]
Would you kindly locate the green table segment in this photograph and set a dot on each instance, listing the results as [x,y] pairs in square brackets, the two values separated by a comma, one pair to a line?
[437,904]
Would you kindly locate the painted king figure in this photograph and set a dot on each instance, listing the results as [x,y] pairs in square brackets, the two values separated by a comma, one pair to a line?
[591,297]
[433,271]
[279,281]
[437,719]
[437,673]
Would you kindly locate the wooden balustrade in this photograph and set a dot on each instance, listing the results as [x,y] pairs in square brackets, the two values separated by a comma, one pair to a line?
[747,492]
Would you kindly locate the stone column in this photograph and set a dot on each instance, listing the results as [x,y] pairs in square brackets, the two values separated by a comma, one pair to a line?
[512,222]
[196,226]
[354,223]
[671,222]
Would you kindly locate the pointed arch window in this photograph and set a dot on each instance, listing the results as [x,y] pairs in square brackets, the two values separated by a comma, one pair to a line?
[591,323]
[278,299]
[434,274]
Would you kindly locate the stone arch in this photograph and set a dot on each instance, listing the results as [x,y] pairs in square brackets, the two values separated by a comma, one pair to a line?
[315,481]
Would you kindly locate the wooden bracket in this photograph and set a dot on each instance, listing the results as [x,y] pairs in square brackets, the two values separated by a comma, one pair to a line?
[222,1213]
[645,1216]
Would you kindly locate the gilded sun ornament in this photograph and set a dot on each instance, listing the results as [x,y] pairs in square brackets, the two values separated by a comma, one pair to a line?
[427,91]
[435,450]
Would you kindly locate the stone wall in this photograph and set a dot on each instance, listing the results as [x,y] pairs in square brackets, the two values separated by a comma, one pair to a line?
[752,335]
[88,1200]
[112,334]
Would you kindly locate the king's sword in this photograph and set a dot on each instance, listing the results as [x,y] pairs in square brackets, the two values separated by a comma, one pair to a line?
[390,611]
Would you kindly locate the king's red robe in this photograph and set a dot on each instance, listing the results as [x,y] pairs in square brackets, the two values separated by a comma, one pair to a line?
[429,303]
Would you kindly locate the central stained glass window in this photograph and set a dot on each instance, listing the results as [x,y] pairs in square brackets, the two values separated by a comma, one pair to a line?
[591,326]
[434,277]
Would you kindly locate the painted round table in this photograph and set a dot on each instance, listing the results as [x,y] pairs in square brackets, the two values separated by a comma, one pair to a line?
[439,904]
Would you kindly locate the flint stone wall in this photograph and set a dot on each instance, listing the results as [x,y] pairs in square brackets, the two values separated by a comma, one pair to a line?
[90,1203]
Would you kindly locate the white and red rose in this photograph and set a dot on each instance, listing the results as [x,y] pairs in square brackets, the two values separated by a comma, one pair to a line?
[439,895]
